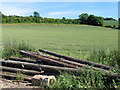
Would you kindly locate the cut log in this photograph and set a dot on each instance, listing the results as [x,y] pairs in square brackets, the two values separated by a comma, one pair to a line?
[68,62]
[62,60]
[54,69]
[73,63]
[22,59]
[11,76]
[23,71]
[22,65]
[77,60]
[44,59]
[44,80]
[37,67]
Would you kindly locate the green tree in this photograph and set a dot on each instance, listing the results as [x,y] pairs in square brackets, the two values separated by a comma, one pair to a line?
[83,18]
[91,19]
[94,20]
[99,21]
[36,14]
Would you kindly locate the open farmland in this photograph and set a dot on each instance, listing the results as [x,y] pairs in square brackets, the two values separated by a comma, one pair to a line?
[72,40]
[110,23]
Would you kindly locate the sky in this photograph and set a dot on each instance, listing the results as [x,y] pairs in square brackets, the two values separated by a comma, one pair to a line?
[69,10]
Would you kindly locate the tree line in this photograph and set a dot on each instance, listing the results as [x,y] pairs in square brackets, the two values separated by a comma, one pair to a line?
[84,18]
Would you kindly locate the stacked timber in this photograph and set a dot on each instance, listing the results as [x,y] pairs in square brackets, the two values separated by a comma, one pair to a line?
[38,64]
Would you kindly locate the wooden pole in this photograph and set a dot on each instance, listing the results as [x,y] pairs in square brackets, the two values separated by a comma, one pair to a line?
[22,59]
[52,69]
[23,71]
[77,60]
[12,76]
[44,59]
[75,63]
[37,67]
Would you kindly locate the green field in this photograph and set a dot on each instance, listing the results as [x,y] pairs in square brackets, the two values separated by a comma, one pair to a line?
[110,23]
[73,40]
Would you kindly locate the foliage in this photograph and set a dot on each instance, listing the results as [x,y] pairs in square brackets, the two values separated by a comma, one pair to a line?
[36,14]
[111,23]
[110,19]
[105,56]
[83,18]
[19,76]
[94,20]
[13,48]
[86,79]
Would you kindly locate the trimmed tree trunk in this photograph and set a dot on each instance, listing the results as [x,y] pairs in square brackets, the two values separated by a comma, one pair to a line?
[44,59]
[77,60]
[17,70]
[22,59]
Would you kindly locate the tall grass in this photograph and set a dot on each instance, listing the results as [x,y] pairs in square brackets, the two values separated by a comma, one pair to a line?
[87,79]
[91,78]
[12,48]
[105,56]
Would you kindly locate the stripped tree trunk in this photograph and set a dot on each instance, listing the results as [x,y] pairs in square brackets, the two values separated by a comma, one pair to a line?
[77,60]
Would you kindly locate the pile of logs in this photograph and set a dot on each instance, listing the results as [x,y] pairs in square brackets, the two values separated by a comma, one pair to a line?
[39,64]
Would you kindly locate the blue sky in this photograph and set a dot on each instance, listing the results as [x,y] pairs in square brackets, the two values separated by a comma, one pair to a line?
[61,9]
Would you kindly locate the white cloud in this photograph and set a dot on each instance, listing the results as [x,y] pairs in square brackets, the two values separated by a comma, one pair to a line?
[60,13]
[15,11]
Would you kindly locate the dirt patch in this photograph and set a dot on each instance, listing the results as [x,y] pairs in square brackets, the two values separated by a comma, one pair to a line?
[12,84]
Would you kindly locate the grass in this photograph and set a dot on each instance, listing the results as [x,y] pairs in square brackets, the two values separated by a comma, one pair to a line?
[97,44]
[13,48]
[110,23]
[19,76]
[75,41]
[86,79]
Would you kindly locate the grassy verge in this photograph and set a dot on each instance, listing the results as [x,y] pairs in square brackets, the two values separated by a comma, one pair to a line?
[87,79]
